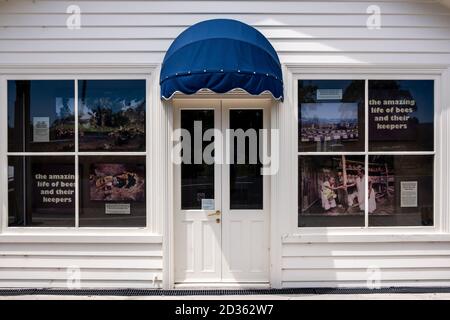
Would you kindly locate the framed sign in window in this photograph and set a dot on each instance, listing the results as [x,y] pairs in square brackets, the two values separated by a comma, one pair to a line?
[77,153]
[366,152]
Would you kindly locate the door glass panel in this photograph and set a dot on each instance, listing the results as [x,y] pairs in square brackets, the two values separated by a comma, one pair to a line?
[246,183]
[197,177]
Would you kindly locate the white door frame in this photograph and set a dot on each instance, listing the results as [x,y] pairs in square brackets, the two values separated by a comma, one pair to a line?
[169,240]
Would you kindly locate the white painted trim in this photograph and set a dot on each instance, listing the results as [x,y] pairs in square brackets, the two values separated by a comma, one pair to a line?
[3,158]
[84,238]
[168,244]
[440,74]
[221,285]
[363,237]
[168,224]
[76,72]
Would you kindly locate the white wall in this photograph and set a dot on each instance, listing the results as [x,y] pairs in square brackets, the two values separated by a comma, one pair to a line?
[301,31]
[105,265]
[304,32]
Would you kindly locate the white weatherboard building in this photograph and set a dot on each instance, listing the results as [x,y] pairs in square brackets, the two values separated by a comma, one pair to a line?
[90,196]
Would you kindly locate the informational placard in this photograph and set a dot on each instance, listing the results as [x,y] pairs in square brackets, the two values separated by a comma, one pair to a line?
[408,194]
[117,208]
[329,94]
[41,129]
[208,204]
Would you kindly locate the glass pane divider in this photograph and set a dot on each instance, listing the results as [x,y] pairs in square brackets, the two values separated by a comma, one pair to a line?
[77,187]
[327,153]
[366,115]
[367,191]
[402,153]
[366,149]
[40,154]
[125,153]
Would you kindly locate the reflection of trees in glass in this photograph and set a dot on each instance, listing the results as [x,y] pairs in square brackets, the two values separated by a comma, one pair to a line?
[63,127]
[109,122]
[354,92]
[307,94]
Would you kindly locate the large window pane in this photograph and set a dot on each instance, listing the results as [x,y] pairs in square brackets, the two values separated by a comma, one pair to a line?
[246,181]
[112,191]
[401,190]
[40,115]
[331,115]
[197,177]
[331,191]
[401,115]
[41,191]
[111,115]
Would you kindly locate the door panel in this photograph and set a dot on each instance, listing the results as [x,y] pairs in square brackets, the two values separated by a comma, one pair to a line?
[234,248]
[198,255]
[245,206]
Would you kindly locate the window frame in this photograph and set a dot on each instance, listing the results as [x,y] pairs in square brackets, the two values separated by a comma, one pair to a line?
[4,153]
[439,148]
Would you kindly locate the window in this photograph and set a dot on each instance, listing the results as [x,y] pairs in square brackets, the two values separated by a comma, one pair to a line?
[348,179]
[76,153]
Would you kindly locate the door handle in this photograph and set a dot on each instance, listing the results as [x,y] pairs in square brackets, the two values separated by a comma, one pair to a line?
[217,213]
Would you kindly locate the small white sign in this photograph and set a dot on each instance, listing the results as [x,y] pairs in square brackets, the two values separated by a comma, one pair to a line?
[408,195]
[208,204]
[117,208]
[329,94]
[41,129]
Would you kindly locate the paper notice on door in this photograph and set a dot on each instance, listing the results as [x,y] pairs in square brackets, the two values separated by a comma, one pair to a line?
[117,208]
[208,204]
[41,129]
[408,196]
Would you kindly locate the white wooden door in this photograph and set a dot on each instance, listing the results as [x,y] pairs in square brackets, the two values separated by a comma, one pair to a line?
[245,198]
[221,212]
[198,254]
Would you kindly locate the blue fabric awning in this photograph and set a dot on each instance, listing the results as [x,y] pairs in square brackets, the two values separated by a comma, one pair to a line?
[221,55]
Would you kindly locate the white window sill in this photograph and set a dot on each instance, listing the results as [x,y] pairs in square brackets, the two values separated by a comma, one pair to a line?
[80,238]
[364,237]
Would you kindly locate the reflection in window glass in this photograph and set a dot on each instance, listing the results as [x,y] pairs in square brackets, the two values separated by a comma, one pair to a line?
[40,115]
[197,177]
[401,190]
[331,115]
[41,191]
[112,191]
[401,115]
[331,191]
[111,115]
[246,181]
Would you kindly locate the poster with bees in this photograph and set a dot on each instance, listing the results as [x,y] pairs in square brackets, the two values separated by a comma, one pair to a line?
[117,182]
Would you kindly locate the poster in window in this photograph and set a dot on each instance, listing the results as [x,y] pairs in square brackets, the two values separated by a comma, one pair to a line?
[117,182]
[331,115]
[400,190]
[401,115]
[41,191]
[331,191]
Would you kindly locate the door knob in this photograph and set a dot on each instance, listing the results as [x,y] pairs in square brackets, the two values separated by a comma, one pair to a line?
[217,213]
